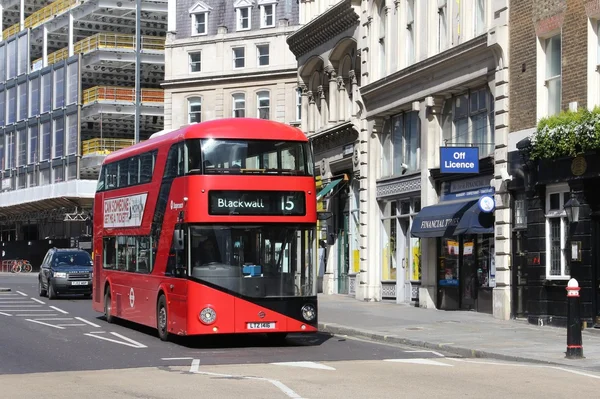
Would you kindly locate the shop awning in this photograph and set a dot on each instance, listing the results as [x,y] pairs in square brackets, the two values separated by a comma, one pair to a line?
[328,188]
[452,218]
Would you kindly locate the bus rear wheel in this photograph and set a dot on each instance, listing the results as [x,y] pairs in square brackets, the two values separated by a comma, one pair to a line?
[162,319]
[108,307]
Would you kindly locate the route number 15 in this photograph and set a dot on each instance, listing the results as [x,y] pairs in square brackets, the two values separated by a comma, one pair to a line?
[287,203]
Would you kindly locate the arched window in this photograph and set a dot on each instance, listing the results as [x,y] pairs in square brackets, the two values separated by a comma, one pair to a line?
[195,110]
[263,103]
[239,105]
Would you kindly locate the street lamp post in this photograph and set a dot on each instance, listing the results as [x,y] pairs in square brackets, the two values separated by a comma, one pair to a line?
[574,339]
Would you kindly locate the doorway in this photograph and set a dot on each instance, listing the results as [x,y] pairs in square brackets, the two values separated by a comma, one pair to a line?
[343,248]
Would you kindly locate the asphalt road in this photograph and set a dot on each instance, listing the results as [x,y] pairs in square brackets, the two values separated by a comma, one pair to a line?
[66,334]
[63,349]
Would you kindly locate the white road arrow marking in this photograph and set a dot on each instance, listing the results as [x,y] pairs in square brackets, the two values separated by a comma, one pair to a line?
[427,362]
[310,365]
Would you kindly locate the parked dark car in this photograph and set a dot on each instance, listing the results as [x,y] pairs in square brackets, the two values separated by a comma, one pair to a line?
[65,271]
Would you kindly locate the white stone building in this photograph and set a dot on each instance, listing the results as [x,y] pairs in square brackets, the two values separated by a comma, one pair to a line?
[420,75]
[230,59]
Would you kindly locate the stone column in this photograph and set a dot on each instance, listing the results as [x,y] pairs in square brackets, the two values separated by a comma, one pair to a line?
[304,114]
[354,94]
[430,131]
[368,281]
[342,99]
[323,103]
[311,112]
[333,95]
[503,223]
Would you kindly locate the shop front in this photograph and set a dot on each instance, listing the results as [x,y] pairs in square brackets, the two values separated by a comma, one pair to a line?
[462,223]
[399,202]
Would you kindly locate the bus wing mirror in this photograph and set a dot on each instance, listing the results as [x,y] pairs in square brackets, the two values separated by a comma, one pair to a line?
[178,239]
[323,215]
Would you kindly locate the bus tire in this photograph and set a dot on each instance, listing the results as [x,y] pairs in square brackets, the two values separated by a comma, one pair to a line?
[162,318]
[108,307]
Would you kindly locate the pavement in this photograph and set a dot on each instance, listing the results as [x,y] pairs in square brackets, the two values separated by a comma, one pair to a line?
[463,333]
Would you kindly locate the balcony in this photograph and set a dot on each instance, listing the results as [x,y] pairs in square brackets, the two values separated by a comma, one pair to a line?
[103,41]
[100,94]
[94,151]
[41,16]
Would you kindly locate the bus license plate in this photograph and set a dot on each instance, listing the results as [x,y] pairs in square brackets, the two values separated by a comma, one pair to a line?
[79,283]
[260,326]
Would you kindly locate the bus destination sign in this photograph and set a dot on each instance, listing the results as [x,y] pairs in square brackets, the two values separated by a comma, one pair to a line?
[291,203]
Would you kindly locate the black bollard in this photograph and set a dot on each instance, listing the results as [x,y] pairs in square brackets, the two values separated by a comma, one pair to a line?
[574,340]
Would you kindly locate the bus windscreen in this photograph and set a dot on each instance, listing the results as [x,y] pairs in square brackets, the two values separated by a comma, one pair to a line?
[255,261]
[270,157]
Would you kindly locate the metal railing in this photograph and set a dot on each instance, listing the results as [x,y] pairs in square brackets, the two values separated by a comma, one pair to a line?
[39,17]
[105,41]
[103,146]
[121,94]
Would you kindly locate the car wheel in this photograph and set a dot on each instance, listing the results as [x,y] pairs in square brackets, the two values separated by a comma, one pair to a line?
[108,307]
[51,293]
[41,290]
[162,319]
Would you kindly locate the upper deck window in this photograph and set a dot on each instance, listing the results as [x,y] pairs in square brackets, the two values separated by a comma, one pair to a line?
[269,157]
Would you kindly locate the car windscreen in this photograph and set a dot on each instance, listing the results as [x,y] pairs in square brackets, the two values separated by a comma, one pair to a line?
[72,259]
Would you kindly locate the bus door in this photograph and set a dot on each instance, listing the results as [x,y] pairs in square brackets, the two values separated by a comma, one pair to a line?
[177,270]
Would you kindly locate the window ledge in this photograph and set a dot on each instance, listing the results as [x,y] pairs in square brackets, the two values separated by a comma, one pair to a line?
[556,281]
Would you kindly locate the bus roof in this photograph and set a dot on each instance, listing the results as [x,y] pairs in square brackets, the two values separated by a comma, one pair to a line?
[228,128]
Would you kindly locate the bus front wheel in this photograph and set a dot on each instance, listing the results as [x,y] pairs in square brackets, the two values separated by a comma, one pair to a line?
[162,319]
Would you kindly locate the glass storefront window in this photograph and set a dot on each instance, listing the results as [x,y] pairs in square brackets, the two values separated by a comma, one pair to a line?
[398,248]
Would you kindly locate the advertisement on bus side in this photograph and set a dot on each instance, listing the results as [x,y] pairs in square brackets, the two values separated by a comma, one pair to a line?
[124,211]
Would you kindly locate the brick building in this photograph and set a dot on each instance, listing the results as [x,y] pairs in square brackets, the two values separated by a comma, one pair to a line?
[554,56]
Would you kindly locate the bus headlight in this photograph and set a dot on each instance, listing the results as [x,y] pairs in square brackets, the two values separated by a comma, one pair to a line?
[208,315]
[309,312]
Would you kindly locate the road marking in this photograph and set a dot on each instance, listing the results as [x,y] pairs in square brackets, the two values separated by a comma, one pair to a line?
[71,325]
[56,318]
[26,310]
[176,358]
[87,322]
[426,351]
[45,324]
[59,310]
[20,305]
[35,315]
[427,362]
[130,342]
[38,301]
[310,365]
[17,301]
[5,314]
[194,368]
[21,293]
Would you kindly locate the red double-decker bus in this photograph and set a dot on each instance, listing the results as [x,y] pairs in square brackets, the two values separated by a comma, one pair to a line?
[209,229]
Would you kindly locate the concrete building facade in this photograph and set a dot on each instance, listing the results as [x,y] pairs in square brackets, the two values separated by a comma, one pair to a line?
[230,59]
